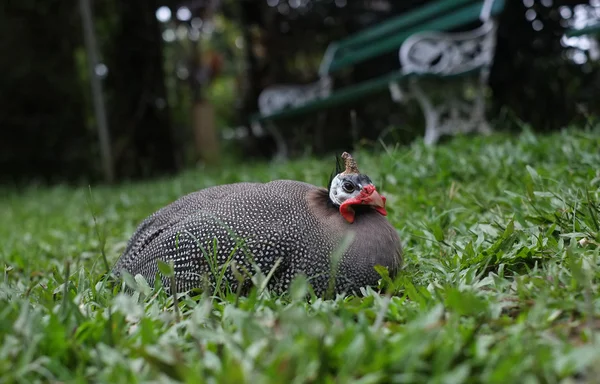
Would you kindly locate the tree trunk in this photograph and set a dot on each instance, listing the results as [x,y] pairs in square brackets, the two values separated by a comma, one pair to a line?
[203,117]
[203,120]
[137,95]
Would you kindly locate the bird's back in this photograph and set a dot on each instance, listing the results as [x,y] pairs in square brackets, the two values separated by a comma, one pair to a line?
[251,223]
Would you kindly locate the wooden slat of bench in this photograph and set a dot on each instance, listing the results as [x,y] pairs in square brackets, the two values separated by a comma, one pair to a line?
[448,21]
[593,29]
[404,21]
[348,94]
[339,97]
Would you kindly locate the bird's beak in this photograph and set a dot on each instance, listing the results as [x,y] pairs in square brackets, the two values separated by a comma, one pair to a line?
[368,196]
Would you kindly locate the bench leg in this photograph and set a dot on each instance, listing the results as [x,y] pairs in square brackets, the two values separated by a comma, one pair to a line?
[483,125]
[453,114]
[282,150]
[432,115]
[318,139]
[258,129]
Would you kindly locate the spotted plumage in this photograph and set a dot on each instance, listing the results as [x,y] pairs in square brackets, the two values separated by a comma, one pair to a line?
[256,224]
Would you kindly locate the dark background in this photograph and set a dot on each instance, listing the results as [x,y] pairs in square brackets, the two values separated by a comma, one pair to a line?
[156,72]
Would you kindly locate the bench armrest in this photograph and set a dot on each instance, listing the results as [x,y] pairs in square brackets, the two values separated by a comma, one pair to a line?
[327,59]
[449,53]
[277,97]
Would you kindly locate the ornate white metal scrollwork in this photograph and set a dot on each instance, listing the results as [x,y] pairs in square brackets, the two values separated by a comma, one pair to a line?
[278,97]
[449,53]
[452,115]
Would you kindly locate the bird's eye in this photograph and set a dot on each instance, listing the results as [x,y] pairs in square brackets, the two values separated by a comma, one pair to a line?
[348,187]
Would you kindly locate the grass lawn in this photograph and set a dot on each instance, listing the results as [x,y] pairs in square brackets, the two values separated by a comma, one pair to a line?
[500,284]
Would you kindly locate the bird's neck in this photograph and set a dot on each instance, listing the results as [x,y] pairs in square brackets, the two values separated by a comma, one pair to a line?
[321,204]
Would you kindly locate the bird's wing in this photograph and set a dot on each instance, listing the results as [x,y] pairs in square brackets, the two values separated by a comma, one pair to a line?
[171,214]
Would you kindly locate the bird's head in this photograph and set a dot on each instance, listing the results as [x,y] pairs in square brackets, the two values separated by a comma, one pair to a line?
[350,189]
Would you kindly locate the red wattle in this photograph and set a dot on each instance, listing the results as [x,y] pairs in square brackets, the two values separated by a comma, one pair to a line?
[346,209]
[368,196]
[381,210]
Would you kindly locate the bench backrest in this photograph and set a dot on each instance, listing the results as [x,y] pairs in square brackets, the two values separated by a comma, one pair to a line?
[387,36]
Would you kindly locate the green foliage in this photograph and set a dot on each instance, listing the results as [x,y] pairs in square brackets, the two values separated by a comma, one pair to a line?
[500,284]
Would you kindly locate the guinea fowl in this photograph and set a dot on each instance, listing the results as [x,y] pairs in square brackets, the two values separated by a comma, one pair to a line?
[293,226]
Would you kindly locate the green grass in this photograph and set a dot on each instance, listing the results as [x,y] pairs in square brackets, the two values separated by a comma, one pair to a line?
[500,285]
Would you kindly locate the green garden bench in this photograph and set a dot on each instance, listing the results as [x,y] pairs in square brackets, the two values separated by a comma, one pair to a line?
[428,49]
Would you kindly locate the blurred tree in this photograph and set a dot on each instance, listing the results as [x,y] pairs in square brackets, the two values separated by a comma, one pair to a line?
[46,115]
[48,126]
[42,111]
[197,41]
[534,78]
